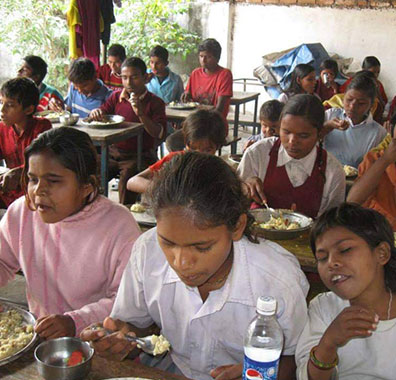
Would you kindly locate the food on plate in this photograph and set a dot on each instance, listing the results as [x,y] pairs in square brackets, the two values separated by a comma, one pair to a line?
[181,105]
[279,223]
[14,333]
[138,207]
[350,171]
[102,122]
[49,115]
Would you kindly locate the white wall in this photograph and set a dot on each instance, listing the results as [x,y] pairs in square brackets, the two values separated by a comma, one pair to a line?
[261,29]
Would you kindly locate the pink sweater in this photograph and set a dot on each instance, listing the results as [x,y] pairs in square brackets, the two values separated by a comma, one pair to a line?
[73,266]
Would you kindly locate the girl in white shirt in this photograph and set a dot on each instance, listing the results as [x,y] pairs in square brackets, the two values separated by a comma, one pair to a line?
[351,331]
[197,276]
[294,171]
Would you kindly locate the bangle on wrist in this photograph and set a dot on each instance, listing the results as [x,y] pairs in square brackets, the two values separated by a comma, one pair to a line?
[319,364]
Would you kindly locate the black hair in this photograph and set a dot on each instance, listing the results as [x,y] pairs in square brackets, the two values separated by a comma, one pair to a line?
[38,66]
[80,70]
[204,124]
[136,63]
[366,223]
[73,149]
[370,62]
[271,110]
[160,52]
[117,50]
[329,64]
[23,90]
[364,81]
[212,46]
[299,72]
[205,187]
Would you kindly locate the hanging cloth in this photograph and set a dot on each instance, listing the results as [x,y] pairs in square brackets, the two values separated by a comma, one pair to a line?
[107,12]
[74,19]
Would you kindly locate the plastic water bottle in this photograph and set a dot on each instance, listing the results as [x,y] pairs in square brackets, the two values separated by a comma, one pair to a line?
[263,343]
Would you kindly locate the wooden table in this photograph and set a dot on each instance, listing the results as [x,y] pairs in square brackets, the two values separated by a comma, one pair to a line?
[25,368]
[105,137]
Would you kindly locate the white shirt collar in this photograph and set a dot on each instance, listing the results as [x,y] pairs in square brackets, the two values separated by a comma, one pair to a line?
[368,119]
[306,163]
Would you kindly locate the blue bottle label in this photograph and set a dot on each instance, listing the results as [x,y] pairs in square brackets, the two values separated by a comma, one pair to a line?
[253,370]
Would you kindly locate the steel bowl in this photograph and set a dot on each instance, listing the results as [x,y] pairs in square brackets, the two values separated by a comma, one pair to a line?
[68,119]
[51,355]
[263,216]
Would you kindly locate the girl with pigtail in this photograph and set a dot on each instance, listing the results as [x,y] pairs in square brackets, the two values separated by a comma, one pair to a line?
[351,330]
[294,171]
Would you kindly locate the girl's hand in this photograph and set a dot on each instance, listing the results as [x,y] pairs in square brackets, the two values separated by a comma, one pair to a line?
[96,114]
[227,372]
[113,346]
[55,326]
[352,322]
[338,124]
[255,191]
[390,152]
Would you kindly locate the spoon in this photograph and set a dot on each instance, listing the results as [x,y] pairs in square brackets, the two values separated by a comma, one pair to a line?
[271,210]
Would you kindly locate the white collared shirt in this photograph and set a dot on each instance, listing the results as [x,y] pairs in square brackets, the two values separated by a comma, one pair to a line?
[206,335]
[255,164]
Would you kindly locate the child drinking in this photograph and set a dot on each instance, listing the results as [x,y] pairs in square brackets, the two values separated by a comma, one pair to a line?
[353,326]
[203,131]
[197,275]
[71,243]
[326,86]
[352,132]
[292,171]
[303,81]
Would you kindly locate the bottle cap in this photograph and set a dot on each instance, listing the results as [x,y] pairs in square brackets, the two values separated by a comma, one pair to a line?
[266,305]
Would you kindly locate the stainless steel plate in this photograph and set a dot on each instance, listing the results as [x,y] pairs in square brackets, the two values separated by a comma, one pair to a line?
[109,121]
[183,106]
[52,116]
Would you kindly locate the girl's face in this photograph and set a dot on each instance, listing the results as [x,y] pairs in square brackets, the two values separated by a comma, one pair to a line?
[330,75]
[375,70]
[196,254]
[297,136]
[53,190]
[348,266]
[356,105]
[203,146]
[308,83]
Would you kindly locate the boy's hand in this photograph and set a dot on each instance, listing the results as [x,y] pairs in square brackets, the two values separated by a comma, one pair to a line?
[113,346]
[227,372]
[186,97]
[10,180]
[55,105]
[55,326]
[124,95]
[254,187]
[136,104]
[96,114]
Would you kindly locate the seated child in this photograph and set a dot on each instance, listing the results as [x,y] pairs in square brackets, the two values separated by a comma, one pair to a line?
[203,131]
[211,83]
[198,275]
[326,86]
[110,72]
[164,83]
[18,127]
[71,243]
[35,68]
[351,131]
[303,81]
[270,113]
[376,185]
[293,171]
[135,104]
[352,327]
[86,92]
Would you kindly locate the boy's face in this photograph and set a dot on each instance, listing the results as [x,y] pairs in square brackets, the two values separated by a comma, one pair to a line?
[115,64]
[270,128]
[207,60]
[12,112]
[158,66]
[133,80]
[86,87]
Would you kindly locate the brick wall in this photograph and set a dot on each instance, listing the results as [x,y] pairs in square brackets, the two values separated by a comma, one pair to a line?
[363,4]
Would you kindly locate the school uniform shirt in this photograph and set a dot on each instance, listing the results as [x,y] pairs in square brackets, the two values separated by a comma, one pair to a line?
[324,92]
[205,335]
[82,104]
[370,358]
[72,267]
[169,90]
[110,79]
[256,159]
[351,145]
[47,93]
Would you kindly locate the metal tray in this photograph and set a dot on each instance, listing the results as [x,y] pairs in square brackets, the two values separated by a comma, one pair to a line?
[52,119]
[111,122]
[263,216]
[183,106]
[29,319]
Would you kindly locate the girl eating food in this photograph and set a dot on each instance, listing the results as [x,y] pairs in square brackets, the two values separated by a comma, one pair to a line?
[293,171]
[351,330]
[71,243]
[197,276]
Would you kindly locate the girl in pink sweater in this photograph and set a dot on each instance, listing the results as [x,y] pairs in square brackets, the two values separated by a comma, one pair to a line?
[71,243]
